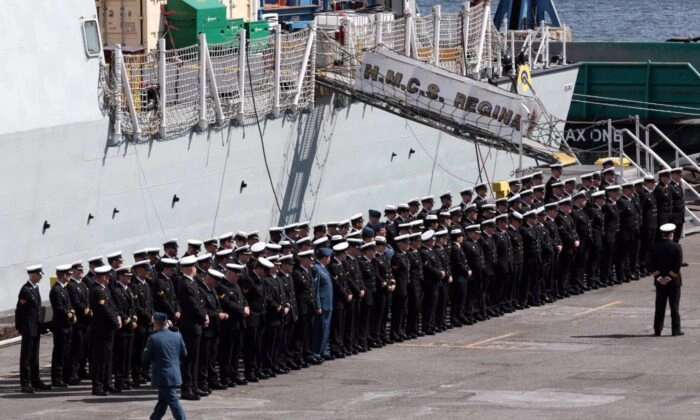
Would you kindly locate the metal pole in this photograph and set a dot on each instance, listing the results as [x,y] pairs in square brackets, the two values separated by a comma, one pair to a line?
[563,46]
[202,83]
[241,74]
[278,64]
[162,56]
[378,27]
[213,86]
[636,132]
[482,37]
[408,36]
[129,98]
[649,168]
[304,64]
[465,36]
[117,62]
[436,34]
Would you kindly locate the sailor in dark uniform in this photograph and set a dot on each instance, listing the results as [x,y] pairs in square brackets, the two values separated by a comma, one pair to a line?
[629,231]
[527,200]
[255,293]
[513,187]
[194,318]
[587,184]
[28,323]
[460,275]
[93,263]
[570,243]
[527,181]
[677,202]
[80,300]
[532,246]
[556,169]
[597,218]
[665,262]
[231,340]
[649,222]
[585,235]
[557,192]
[306,300]
[114,260]
[503,282]
[284,277]
[488,245]
[510,293]
[515,203]
[143,299]
[548,286]
[501,206]
[208,376]
[537,179]
[342,297]
[569,187]
[481,190]
[477,264]
[61,326]
[466,195]
[445,201]
[442,251]
[400,267]
[415,287]
[611,230]
[608,175]
[433,274]
[427,204]
[105,323]
[193,248]
[125,303]
[357,289]
[164,294]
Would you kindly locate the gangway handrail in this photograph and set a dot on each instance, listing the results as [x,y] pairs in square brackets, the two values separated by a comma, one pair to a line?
[660,161]
[671,143]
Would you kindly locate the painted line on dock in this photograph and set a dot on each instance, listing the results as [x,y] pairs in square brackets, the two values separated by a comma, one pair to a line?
[598,308]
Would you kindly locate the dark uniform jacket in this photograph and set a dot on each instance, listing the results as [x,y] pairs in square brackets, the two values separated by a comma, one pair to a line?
[431,268]
[192,304]
[415,276]
[233,303]
[649,210]
[275,301]
[104,311]
[628,219]
[597,218]
[567,232]
[488,246]
[143,302]
[341,291]
[677,203]
[664,203]
[443,254]
[516,240]
[665,260]
[504,252]
[80,301]
[548,233]
[458,262]
[400,267]
[290,294]
[63,314]
[212,307]
[306,291]
[28,310]
[368,270]
[165,297]
[475,258]
[531,244]
[353,276]
[582,224]
[124,301]
[612,221]
[255,293]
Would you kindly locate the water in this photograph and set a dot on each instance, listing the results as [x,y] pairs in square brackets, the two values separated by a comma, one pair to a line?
[614,20]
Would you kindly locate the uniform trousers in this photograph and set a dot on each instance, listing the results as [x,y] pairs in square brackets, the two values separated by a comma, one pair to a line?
[338,329]
[192,336]
[363,330]
[301,346]
[123,346]
[458,295]
[101,360]
[60,356]
[430,296]
[398,315]
[352,310]
[230,344]
[167,397]
[672,295]
[138,369]
[29,361]
[321,333]
[414,307]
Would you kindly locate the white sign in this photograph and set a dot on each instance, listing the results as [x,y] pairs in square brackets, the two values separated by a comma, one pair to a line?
[425,88]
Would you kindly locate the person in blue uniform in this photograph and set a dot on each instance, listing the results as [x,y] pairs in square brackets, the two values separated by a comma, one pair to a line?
[324,302]
[27,322]
[164,350]
[665,261]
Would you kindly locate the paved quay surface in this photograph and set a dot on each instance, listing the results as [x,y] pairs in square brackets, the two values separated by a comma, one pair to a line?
[589,356]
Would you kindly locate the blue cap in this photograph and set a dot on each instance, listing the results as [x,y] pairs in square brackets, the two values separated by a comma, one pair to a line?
[375,213]
[325,252]
[160,316]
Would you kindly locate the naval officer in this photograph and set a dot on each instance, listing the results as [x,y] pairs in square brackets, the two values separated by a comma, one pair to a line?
[27,322]
[665,261]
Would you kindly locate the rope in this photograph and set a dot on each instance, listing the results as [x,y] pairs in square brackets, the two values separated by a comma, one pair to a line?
[223,177]
[262,141]
[636,107]
[638,102]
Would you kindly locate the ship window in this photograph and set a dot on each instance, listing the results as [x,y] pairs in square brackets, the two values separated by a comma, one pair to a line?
[91,38]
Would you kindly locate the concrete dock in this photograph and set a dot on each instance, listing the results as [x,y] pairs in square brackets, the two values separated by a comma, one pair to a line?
[589,356]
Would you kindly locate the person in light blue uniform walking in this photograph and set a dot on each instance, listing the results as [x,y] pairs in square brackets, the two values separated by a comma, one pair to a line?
[324,302]
[164,351]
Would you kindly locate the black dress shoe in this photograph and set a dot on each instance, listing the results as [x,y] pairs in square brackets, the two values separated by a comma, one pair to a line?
[430,332]
[40,386]
[677,333]
[216,386]
[281,371]
[74,380]
[250,378]
[240,381]
[328,357]
[314,361]
[99,392]
[262,375]
[113,390]
[27,390]
[657,333]
[59,384]
[202,392]
[190,397]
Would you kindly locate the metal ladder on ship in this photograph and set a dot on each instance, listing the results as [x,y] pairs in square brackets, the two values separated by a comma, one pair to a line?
[646,159]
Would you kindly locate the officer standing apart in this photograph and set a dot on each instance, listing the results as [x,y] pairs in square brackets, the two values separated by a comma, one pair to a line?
[164,351]
[27,315]
[665,266]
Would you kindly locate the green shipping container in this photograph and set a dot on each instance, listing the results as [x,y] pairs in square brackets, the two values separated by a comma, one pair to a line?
[257,29]
[193,17]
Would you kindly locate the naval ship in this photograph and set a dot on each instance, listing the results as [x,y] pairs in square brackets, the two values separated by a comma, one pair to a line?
[106,147]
